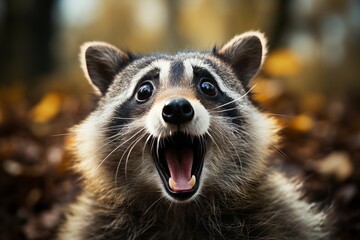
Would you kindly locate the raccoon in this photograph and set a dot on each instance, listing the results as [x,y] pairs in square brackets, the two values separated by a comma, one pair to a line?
[177,149]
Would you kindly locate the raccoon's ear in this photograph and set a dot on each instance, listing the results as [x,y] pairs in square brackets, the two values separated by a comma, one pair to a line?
[101,62]
[245,53]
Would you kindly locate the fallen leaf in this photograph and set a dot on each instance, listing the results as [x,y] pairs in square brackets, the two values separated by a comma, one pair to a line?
[282,63]
[301,123]
[2,116]
[313,102]
[336,163]
[12,167]
[48,108]
[266,90]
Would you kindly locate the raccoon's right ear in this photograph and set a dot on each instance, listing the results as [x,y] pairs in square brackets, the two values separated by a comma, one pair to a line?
[101,62]
[245,53]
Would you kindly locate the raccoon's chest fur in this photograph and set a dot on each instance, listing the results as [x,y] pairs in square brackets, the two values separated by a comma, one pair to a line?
[176,149]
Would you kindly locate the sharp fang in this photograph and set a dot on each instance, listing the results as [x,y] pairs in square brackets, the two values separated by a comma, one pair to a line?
[192,181]
[172,183]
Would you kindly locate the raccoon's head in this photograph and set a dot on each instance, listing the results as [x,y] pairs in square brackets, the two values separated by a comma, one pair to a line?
[174,125]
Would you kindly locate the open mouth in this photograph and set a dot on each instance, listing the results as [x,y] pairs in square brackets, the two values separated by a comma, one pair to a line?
[179,160]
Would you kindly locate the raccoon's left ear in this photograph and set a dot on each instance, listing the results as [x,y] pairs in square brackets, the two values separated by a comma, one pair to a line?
[101,62]
[245,53]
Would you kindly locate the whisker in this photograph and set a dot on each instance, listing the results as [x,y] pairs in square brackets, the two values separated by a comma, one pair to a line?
[62,134]
[116,149]
[213,140]
[202,144]
[145,144]
[122,156]
[224,110]
[128,155]
[121,118]
[152,143]
[156,201]
[158,146]
[113,138]
[235,100]
[112,128]
[241,132]
[279,115]
[231,118]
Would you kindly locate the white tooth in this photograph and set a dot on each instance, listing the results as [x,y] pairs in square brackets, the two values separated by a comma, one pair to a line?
[172,183]
[192,181]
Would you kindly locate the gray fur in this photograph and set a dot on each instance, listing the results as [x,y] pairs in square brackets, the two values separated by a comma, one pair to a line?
[240,196]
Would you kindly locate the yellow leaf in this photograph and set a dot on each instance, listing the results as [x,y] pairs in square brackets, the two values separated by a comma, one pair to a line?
[302,123]
[48,108]
[267,90]
[282,63]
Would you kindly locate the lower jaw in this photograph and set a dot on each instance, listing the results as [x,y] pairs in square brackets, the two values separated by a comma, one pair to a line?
[183,195]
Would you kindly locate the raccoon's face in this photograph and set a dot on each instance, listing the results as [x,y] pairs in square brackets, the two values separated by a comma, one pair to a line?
[175,124]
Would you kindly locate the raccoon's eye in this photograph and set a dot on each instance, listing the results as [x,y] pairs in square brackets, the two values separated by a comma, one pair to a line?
[207,87]
[145,91]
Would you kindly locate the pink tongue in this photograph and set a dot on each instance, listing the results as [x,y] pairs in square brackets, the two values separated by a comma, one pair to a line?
[180,163]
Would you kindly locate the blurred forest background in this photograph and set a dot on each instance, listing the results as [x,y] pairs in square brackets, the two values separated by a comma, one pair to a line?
[310,82]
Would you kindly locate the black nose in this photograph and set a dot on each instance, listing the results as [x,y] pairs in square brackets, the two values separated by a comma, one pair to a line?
[177,111]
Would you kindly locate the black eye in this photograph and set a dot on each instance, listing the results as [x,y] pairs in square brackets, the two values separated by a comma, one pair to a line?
[207,87]
[144,92]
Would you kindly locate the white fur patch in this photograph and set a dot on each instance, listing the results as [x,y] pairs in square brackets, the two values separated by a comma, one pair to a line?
[188,70]
[156,125]
[161,64]
[88,137]
[195,62]
[304,211]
